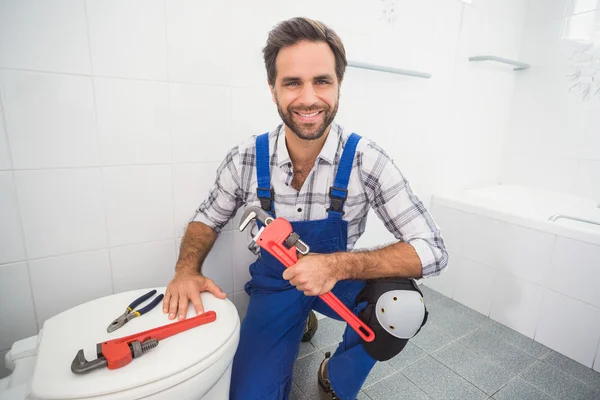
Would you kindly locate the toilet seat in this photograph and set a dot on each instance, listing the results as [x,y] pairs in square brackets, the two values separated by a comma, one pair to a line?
[206,349]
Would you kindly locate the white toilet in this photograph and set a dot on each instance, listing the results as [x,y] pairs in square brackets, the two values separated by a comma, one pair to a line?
[194,364]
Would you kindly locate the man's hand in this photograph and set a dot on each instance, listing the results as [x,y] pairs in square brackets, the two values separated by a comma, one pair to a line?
[312,274]
[185,287]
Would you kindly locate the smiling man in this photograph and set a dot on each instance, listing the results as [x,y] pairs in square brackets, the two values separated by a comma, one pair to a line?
[324,181]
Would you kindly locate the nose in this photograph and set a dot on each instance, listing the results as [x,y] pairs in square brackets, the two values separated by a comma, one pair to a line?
[308,97]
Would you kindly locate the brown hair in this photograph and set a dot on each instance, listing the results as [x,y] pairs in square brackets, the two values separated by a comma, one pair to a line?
[292,31]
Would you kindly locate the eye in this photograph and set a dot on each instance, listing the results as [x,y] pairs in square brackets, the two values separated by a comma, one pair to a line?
[292,84]
[322,82]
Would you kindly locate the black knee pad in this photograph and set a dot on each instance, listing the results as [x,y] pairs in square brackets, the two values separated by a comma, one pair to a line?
[386,346]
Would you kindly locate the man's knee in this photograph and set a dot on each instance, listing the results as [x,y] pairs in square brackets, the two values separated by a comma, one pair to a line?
[395,311]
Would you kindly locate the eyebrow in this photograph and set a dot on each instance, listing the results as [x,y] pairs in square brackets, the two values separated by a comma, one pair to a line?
[289,79]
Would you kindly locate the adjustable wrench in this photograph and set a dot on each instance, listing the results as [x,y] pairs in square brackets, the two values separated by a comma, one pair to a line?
[278,238]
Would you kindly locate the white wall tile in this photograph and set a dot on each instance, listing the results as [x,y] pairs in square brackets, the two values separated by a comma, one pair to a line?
[199,36]
[569,326]
[483,238]
[141,266]
[529,253]
[49,119]
[516,304]
[200,122]
[242,258]
[218,264]
[586,183]
[253,112]
[5,162]
[133,121]
[38,35]
[128,38]
[581,6]
[61,211]
[11,235]
[16,305]
[88,272]
[241,301]
[139,204]
[474,284]
[192,184]
[574,270]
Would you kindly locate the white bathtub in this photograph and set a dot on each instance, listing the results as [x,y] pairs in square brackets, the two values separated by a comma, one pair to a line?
[509,262]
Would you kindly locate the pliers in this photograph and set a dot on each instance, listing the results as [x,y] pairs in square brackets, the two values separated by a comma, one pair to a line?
[130,314]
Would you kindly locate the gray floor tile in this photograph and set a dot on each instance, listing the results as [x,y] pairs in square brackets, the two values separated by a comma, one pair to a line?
[380,371]
[296,393]
[557,383]
[329,333]
[484,374]
[498,351]
[396,387]
[516,339]
[430,296]
[430,339]
[306,348]
[441,383]
[362,396]
[305,374]
[408,356]
[573,368]
[454,318]
[518,389]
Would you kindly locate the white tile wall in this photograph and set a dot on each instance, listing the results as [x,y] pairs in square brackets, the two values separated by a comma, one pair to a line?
[516,304]
[5,162]
[218,264]
[49,119]
[127,39]
[133,121]
[62,210]
[140,266]
[139,203]
[483,239]
[242,258]
[88,276]
[569,326]
[17,322]
[574,270]
[11,235]
[191,184]
[474,284]
[199,40]
[241,300]
[42,36]
[200,122]
[587,177]
[253,112]
[527,254]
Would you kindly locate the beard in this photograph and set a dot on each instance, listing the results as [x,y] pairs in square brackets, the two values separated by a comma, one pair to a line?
[308,130]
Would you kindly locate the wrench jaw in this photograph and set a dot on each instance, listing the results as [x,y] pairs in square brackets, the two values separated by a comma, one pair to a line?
[257,213]
[81,365]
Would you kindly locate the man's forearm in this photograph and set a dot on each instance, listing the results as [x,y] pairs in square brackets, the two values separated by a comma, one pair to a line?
[199,238]
[398,260]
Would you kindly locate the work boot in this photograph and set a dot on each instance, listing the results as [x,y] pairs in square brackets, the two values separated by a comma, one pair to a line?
[325,390]
[310,328]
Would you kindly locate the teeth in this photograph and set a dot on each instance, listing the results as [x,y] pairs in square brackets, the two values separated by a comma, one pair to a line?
[309,115]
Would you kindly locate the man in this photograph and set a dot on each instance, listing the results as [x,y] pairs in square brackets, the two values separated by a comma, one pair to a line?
[323,181]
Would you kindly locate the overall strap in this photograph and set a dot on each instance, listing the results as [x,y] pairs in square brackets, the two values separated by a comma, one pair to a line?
[338,193]
[264,190]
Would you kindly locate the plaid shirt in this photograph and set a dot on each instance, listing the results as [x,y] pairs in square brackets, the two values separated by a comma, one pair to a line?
[375,182]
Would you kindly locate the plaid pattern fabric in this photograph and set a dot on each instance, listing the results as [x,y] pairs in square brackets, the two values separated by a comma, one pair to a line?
[375,182]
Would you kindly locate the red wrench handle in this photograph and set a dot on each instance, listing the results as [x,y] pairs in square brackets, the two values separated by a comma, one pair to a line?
[272,238]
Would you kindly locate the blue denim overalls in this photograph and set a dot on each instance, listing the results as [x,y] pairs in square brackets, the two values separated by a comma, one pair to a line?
[274,323]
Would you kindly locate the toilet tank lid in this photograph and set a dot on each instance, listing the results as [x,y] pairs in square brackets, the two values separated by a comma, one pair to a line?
[84,326]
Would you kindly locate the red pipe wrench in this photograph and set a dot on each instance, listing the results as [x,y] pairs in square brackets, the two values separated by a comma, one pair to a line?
[278,238]
[119,352]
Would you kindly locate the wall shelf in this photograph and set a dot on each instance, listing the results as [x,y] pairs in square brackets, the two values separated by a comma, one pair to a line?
[382,68]
[519,65]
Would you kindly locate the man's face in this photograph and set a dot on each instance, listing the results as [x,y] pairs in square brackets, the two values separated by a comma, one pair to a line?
[306,88]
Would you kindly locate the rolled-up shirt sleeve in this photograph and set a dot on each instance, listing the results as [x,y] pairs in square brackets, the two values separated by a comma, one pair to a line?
[401,211]
[224,197]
